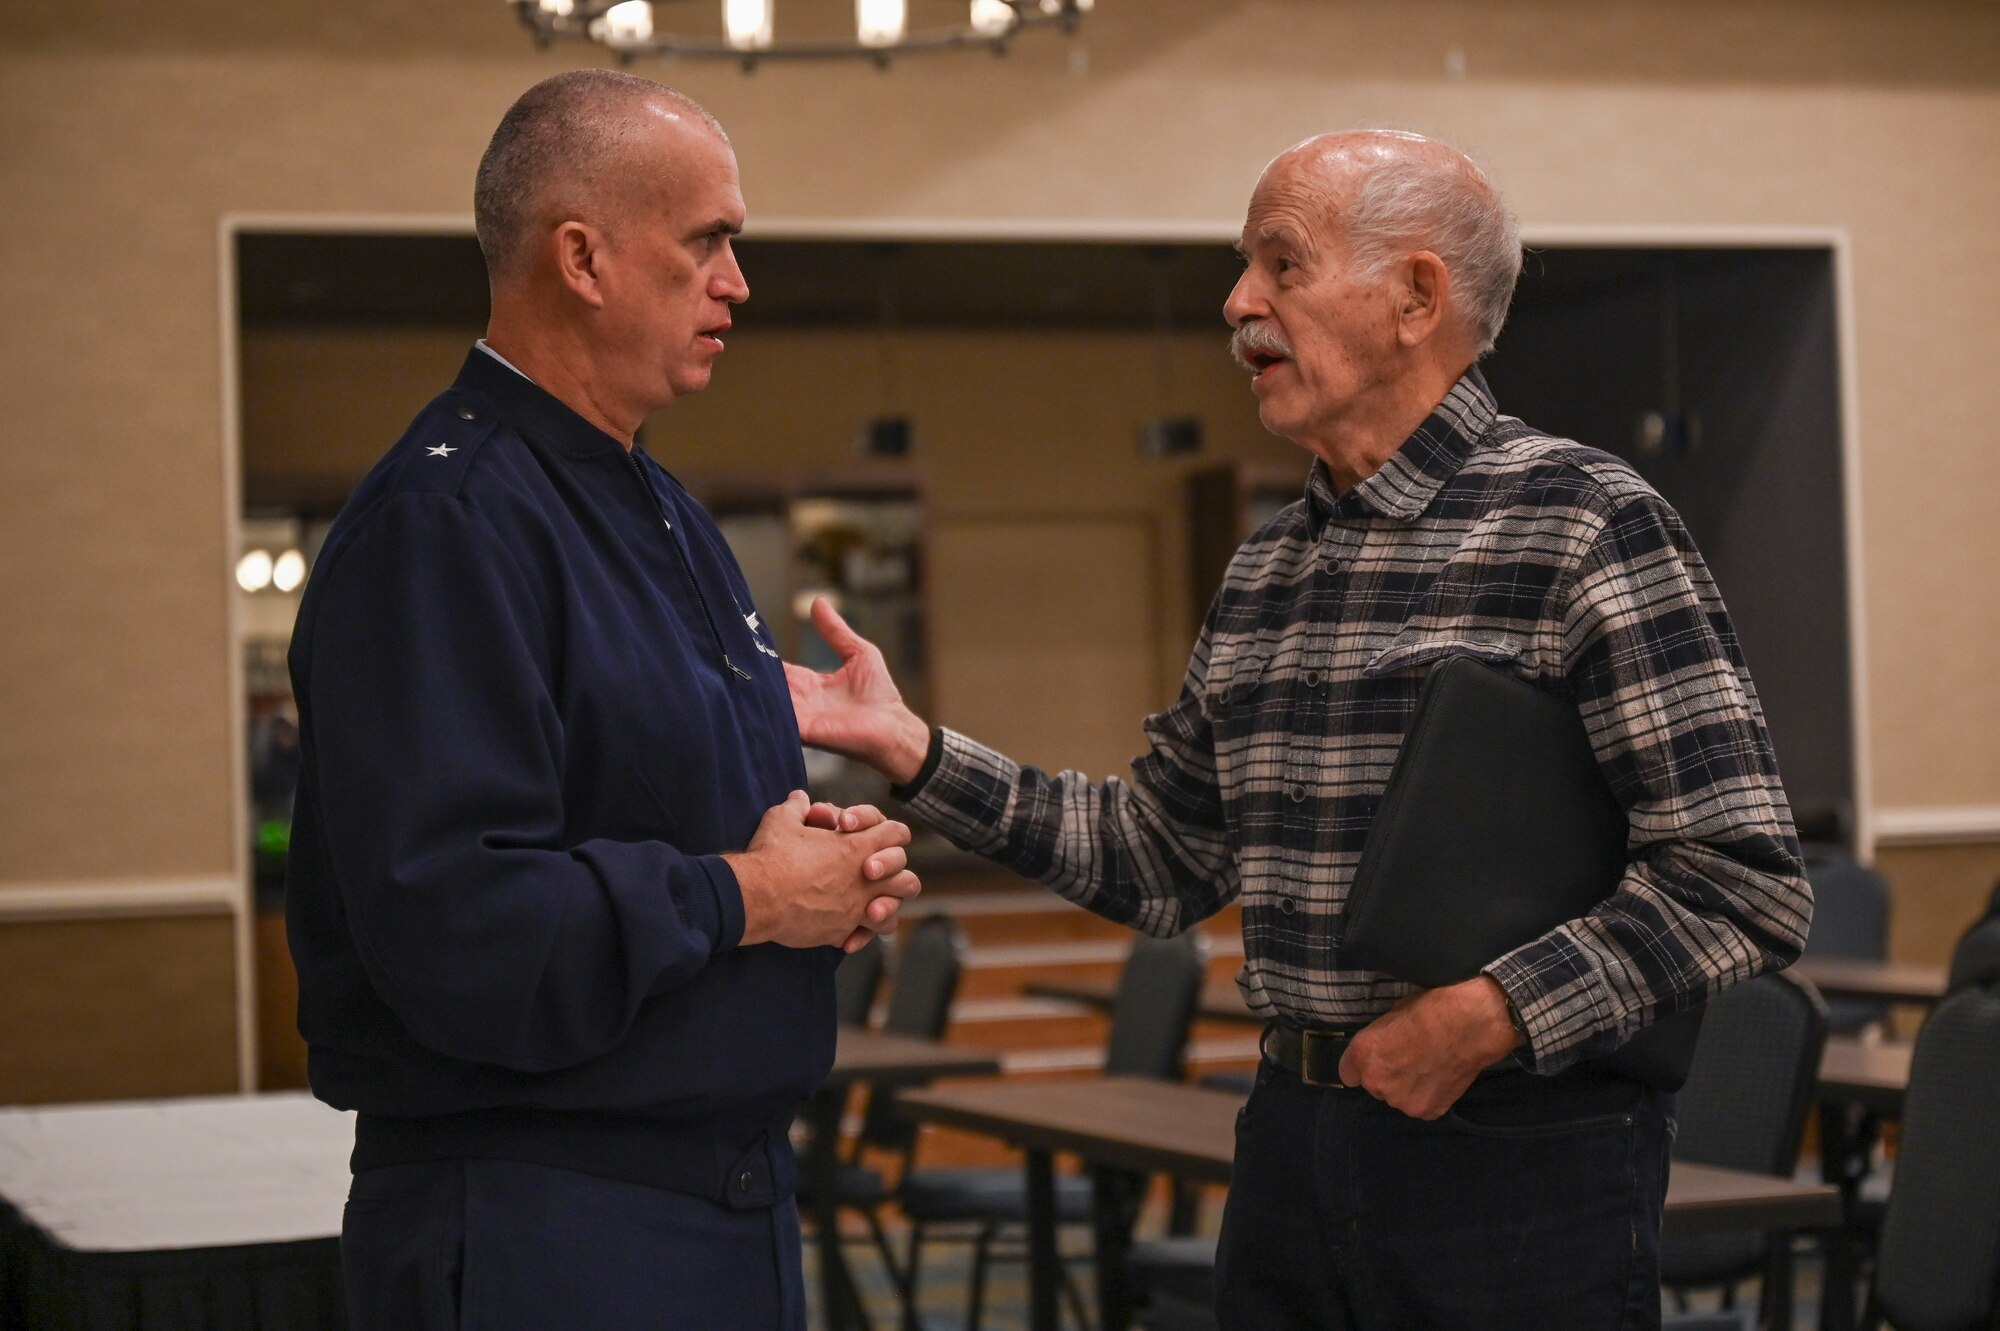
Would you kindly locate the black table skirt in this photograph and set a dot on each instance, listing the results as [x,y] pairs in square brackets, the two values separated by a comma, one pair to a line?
[256,1287]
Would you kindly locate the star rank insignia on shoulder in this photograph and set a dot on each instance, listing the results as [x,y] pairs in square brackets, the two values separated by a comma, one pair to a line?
[441,450]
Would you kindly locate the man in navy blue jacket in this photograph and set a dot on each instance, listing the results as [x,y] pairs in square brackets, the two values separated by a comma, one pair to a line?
[565,922]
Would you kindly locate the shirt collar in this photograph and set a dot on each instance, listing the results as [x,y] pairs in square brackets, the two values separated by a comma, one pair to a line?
[487,347]
[533,409]
[1403,487]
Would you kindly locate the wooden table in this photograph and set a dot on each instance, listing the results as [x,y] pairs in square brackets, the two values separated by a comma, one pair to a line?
[1873,1076]
[1893,981]
[1120,1124]
[882,1061]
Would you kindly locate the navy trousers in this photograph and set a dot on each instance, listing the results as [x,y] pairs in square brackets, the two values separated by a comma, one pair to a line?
[494,1245]
[1533,1205]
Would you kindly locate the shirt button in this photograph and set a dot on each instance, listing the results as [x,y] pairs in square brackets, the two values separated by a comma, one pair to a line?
[1313,678]
[1298,794]
[467,414]
[1286,905]
[746,1180]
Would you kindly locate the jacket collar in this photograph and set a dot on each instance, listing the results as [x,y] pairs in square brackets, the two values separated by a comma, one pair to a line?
[1403,487]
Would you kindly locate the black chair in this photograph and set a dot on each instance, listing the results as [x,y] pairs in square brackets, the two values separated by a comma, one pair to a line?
[1976,959]
[1158,992]
[1851,922]
[928,966]
[1176,1280]
[1744,1107]
[856,981]
[1938,1268]
[1169,1310]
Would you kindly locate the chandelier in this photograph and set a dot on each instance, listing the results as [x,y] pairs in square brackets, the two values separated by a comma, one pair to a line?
[633,28]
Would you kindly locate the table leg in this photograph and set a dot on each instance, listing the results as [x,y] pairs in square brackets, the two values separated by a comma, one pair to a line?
[1846,1144]
[1778,1278]
[839,1300]
[1043,1275]
[1836,1294]
[1115,1198]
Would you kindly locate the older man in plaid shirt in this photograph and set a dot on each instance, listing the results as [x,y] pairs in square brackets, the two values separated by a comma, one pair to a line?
[1471,1166]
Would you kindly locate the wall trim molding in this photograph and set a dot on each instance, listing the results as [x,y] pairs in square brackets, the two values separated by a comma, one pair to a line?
[1937,826]
[120,898]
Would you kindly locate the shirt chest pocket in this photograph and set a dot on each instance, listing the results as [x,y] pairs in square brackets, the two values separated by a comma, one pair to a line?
[1249,730]
[1239,684]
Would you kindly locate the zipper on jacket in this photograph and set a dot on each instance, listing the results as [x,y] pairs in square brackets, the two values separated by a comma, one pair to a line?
[659,509]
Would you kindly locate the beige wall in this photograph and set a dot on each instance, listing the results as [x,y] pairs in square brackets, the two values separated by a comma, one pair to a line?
[130,131]
[1025,444]
[105,1008]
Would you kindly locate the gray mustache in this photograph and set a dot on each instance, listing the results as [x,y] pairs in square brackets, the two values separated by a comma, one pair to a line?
[1255,336]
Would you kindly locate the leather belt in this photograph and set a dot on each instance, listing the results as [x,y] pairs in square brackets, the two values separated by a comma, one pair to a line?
[1313,1052]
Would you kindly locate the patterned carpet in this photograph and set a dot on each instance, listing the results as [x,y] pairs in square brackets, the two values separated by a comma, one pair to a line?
[947,1265]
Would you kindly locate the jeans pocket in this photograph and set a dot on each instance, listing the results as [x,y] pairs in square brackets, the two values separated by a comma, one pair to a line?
[1554,1128]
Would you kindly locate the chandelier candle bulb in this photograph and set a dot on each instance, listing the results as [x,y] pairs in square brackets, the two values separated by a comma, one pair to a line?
[628,23]
[992,17]
[748,23]
[880,22]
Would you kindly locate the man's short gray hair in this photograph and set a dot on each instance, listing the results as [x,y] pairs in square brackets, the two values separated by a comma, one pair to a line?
[565,130]
[1418,193]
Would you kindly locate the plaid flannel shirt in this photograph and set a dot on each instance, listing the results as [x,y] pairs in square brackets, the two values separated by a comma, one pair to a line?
[1480,536]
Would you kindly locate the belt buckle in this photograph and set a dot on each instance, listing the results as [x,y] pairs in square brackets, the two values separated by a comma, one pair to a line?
[1306,1038]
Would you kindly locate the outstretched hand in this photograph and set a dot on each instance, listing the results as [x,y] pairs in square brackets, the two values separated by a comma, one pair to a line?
[857,711]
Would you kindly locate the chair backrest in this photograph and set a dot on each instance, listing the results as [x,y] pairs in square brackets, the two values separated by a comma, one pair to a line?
[1976,959]
[1747,1093]
[1744,1107]
[1940,1253]
[926,978]
[927,970]
[1851,922]
[855,981]
[1158,993]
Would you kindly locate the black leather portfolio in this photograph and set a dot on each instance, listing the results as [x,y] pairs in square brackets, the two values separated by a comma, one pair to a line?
[1496,827]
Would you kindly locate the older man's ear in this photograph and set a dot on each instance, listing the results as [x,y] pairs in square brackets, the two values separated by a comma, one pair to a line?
[1423,294]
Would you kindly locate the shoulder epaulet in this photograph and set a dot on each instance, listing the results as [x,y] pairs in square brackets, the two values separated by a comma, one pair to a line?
[438,449]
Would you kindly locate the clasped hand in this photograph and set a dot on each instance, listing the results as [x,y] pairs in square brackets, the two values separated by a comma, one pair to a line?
[816,876]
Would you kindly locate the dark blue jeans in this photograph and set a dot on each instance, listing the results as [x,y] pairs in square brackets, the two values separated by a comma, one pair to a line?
[1533,1205]
[492,1245]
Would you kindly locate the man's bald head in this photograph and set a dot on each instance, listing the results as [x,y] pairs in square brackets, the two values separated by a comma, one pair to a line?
[557,155]
[1387,194]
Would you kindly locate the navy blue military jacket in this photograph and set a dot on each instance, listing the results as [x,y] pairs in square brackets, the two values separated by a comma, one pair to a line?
[536,705]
